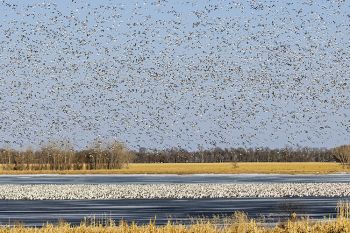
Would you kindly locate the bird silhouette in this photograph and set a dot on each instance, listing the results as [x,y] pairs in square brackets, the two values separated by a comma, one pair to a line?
[163,73]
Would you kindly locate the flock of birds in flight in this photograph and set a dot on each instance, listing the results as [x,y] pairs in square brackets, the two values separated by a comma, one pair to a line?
[175,73]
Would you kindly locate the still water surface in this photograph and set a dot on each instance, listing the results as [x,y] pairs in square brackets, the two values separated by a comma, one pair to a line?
[73,211]
[166,179]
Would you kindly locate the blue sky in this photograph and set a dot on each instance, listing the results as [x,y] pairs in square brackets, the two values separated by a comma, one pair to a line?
[190,74]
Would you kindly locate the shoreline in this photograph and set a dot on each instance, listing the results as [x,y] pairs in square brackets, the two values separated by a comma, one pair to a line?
[171,174]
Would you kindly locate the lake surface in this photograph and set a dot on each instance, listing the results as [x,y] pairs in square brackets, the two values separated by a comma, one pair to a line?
[168,179]
[74,211]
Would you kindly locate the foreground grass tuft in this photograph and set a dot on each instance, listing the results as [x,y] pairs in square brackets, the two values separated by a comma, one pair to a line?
[239,223]
[244,225]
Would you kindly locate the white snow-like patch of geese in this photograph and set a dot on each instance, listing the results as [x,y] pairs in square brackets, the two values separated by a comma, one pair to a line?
[171,191]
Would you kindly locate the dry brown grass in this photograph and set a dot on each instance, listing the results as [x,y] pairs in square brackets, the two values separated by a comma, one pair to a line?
[241,224]
[201,168]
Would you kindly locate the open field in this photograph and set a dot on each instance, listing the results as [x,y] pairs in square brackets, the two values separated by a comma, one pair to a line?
[201,168]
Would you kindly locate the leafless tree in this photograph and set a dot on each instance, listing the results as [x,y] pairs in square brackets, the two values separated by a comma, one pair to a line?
[342,155]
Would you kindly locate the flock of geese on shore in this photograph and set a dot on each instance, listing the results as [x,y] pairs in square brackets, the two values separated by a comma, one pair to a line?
[175,73]
[171,191]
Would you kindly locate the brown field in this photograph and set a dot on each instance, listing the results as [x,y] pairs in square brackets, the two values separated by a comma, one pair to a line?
[201,168]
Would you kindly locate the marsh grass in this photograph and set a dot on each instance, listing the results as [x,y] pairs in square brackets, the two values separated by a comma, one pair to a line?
[343,209]
[237,223]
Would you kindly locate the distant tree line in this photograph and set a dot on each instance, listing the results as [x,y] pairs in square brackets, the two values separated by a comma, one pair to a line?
[178,155]
[114,155]
[62,156]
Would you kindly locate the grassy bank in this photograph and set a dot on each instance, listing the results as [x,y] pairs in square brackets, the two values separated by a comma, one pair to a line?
[199,168]
[239,224]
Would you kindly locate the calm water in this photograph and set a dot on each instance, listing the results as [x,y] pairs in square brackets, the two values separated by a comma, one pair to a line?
[39,212]
[158,179]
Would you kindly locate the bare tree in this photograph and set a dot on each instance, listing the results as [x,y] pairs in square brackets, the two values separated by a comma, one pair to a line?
[119,155]
[341,154]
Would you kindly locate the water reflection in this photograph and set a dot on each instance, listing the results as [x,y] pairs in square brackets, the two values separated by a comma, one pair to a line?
[141,211]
